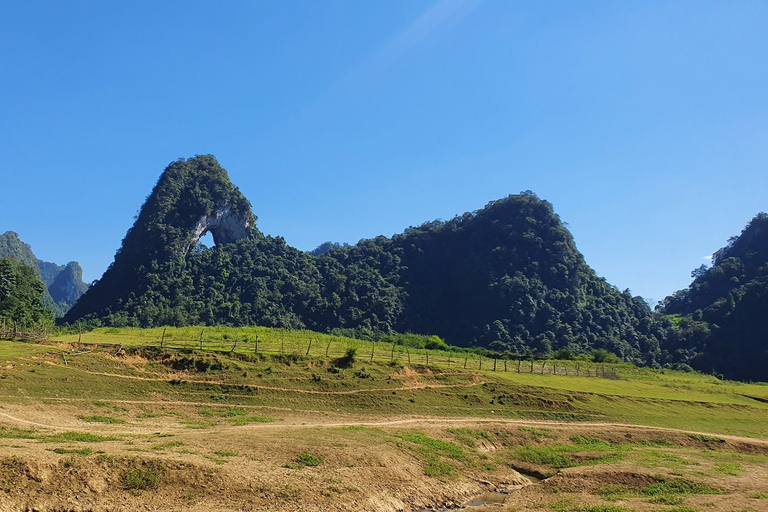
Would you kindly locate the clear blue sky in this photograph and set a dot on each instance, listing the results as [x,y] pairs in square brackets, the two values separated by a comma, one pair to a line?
[644,123]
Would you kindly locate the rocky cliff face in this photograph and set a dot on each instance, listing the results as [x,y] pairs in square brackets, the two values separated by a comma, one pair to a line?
[225,224]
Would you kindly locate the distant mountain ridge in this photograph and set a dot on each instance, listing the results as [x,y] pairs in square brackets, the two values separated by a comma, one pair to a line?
[63,283]
[507,277]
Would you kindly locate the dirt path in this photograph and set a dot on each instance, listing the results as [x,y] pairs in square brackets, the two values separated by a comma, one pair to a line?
[417,421]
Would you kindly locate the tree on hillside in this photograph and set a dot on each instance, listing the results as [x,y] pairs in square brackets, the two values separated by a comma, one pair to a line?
[21,293]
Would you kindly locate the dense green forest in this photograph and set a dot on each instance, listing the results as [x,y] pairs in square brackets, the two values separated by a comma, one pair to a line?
[63,283]
[722,317]
[507,277]
[21,295]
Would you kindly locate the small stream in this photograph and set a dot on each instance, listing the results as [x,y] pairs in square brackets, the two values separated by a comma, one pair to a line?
[486,498]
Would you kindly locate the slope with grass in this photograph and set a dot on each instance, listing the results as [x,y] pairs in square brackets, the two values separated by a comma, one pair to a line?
[115,422]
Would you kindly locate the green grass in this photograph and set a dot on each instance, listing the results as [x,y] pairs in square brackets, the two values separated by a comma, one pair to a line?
[101,419]
[641,396]
[584,451]
[433,446]
[729,468]
[308,459]
[76,437]
[142,477]
[167,445]
[75,451]
[678,487]
[245,420]
[17,433]
[231,453]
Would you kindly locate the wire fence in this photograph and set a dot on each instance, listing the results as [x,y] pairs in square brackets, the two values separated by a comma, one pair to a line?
[285,344]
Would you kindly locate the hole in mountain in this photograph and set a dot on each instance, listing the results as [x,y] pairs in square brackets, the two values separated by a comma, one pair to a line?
[206,241]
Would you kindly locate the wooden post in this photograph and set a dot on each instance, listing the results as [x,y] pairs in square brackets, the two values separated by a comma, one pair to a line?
[373,346]
[256,350]
[79,331]
[392,355]
[201,340]
[427,351]
[409,354]
[282,344]
[542,367]
[531,365]
[577,369]
[505,366]
[309,347]
[234,346]
[465,361]
[519,362]
[327,348]
[162,339]
[449,359]
[481,362]
[494,364]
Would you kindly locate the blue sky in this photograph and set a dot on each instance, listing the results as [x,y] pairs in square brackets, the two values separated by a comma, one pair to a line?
[645,124]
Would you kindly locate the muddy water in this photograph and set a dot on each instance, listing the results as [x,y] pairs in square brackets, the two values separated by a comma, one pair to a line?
[488,498]
[493,497]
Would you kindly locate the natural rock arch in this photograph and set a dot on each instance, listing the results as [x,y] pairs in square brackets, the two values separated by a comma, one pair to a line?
[225,224]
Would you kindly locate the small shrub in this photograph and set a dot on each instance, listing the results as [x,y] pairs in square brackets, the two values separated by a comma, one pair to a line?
[307,459]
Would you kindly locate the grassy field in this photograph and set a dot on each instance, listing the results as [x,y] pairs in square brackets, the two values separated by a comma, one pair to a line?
[292,420]
[300,360]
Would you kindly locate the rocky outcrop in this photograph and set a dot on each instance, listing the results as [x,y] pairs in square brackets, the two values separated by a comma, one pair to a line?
[226,226]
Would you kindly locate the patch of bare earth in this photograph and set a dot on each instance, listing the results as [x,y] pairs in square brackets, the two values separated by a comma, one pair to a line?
[165,463]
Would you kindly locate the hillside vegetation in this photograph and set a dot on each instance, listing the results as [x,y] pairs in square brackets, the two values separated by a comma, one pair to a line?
[508,277]
[63,283]
[722,317]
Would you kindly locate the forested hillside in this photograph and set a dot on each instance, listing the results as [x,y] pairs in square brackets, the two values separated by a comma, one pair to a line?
[63,283]
[21,295]
[507,276]
[722,317]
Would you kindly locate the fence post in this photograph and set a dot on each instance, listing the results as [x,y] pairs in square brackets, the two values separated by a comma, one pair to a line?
[162,339]
[494,363]
[505,366]
[327,348]
[531,365]
[427,351]
[409,354]
[309,347]
[282,344]
[392,355]
[373,347]
[465,361]
[542,367]
[256,350]
[234,346]
[201,340]
[481,362]
[79,331]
